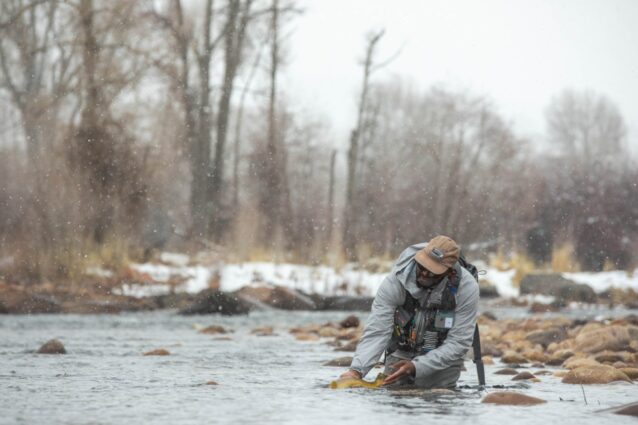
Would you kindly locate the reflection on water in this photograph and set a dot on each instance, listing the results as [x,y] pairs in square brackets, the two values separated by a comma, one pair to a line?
[275,379]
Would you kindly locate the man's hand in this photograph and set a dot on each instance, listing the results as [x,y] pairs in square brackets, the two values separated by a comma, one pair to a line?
[350,374]
[400,369]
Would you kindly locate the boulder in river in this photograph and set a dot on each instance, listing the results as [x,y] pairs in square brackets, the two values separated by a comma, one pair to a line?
[630,409]
[577,361]
[612,338]
[342,303]
[263,331]
[213,330]
[506,371]
[631,372]
[525,375]
[350,322]
[601,374]
[277,297]
[513,357]
[158,352]
[558,357]
[52,347]
[545,337]
[340,362]
[554,284]
[511,398]
[351,346]
[211,301]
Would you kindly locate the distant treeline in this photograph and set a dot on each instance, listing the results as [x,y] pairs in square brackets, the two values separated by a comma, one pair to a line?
[130,126]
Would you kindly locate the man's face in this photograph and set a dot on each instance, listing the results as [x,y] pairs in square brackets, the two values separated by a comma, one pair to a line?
[425,278]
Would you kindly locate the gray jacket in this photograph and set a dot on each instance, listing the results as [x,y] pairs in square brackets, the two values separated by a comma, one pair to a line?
[391,294]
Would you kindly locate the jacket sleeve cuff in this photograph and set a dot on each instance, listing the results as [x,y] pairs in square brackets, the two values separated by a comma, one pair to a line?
[421,370]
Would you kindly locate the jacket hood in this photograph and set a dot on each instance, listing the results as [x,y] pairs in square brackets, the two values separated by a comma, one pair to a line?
[404,268]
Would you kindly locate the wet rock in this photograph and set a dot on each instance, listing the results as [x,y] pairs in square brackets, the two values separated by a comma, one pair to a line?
[17,301]
[630,409]
[631,372]
[487,290]
[487,360]
[211,383]
[506,371]
[537,365]
[222,338]
[544,308]
[351,346]
[576,362]
[340,362]
[342,303]
[52,347]
[536,356]
[559,357]
[488,315]
[212,301]
[177,301]
[349,322]
[213,330]
[329,332]
[263,331]
[545,337]
[106,305]
[490,349]
[542,372]
[612,338]
[600,374]
[511,399]
[277,297]
[512,357]
[554,284]
[612,357]
[306,337]
[157,352]
[349,333]
[523,376]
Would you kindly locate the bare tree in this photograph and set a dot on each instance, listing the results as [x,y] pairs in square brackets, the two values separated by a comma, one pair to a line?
[36,64]
[235,33]
[350,211]
[587,129]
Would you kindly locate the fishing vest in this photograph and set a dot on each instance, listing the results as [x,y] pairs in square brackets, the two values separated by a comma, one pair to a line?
[419,329]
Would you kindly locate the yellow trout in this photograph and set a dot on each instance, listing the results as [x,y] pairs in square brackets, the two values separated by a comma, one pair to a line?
[340,384]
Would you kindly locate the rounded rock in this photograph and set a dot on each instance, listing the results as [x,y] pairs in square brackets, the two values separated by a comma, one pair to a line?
[510,398]
[52,347]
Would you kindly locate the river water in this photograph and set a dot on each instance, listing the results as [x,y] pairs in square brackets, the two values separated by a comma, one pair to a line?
[104,379]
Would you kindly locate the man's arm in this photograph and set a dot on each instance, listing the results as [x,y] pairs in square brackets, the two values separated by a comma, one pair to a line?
[459,338]
[378,328]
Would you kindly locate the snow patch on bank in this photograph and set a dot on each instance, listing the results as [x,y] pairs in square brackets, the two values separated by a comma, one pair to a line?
[602,281]
[322,280]
[179,277]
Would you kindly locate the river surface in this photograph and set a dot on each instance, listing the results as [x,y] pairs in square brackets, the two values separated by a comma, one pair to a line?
[104,379]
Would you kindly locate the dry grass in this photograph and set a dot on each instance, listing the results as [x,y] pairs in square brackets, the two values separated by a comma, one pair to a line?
[564,259]
[519,262]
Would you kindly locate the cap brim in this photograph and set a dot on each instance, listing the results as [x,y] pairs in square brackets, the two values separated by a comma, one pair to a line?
[422,258]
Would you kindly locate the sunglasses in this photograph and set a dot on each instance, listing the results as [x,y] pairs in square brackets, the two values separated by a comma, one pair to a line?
[425,272]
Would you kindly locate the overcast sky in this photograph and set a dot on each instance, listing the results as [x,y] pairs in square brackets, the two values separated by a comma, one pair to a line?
[519,53]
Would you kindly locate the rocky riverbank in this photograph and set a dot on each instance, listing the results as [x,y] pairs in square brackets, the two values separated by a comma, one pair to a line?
[249,289]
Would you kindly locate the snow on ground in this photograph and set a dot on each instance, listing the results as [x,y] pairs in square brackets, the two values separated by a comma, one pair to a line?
[321,279]
[177,275]
[602,281]
[502,281]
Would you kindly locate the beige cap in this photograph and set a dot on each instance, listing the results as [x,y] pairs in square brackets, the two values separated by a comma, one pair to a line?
[439,255]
